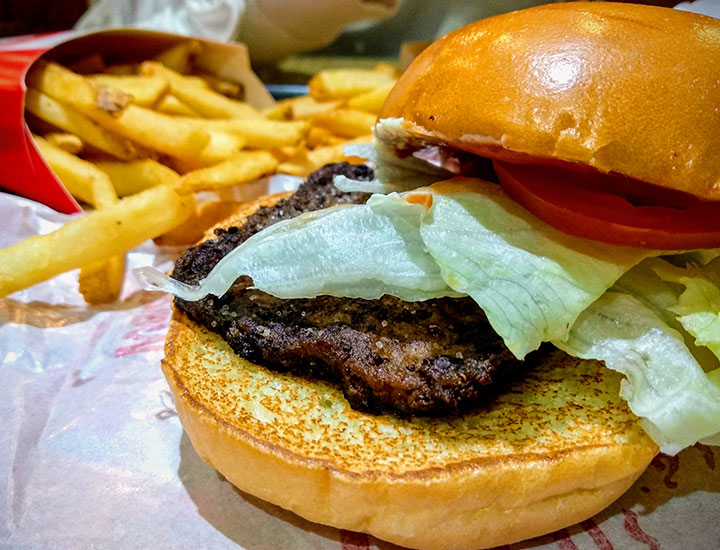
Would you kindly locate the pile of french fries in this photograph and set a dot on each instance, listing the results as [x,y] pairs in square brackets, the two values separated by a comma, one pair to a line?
[134,143]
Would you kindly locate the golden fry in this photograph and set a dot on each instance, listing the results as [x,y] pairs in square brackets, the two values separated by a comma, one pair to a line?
[82,179]
[66,118]
[222,146]
[319,137]
[145,90]
[101,282]
[388,69]
[349,123]
[302,107]
[306,161]
[204,100]
[373,100]
[156,131]
[233,90]
[171,105]
[244,167]
[345,83]
[149,128]
[259,133]
[92,237]
[69,87]
[180,57]
[69,143]
[279,111]
[129,178]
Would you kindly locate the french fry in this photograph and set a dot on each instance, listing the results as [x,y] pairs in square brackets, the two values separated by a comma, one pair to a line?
[156,131]
[222,145]
[259,133]
[149,128]
[101,282]
[309,107]
[180,57]
[204,100]
[129,178]
[319,137]
[302,107]
[307,161]
[69,87]
[92,237]
[81,178]
[345,83]
[244,167]
[335,153]
[145,90]
[373,100]
[387,68]
[349,123]
[233,90]
[67,142]
[280,111]
[171,105]
[66,118]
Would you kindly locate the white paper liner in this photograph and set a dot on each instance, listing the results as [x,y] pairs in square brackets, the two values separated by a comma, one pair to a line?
[93,454]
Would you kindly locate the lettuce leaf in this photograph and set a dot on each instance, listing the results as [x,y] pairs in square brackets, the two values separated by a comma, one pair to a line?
[678,403]
[351,251]
[698,307]
[468,238]
[393,174]
[531,280]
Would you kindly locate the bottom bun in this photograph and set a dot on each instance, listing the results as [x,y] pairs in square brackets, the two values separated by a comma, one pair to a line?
[556,448]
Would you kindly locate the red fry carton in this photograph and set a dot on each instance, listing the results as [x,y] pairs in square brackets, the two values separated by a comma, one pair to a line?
[22,170]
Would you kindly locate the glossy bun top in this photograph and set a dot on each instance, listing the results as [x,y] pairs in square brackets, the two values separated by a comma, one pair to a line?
[620,87]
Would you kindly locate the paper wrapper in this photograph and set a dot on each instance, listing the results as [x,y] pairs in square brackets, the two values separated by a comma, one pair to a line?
[94,455]
[22,170]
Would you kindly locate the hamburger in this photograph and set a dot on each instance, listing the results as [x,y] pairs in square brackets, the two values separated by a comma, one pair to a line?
[457,361]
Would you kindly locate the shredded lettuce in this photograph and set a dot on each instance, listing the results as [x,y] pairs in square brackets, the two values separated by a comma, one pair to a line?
[678,403]
[531,280]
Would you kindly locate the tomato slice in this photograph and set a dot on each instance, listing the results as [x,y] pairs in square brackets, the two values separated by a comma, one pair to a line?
[564,199]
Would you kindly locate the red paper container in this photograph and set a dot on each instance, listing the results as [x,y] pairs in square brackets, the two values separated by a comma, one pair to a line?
[22,170]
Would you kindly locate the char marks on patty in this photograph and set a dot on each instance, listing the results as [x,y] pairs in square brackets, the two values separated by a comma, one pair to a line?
[435,357]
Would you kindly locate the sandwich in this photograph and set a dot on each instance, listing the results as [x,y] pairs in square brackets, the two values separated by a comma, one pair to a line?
[487,332]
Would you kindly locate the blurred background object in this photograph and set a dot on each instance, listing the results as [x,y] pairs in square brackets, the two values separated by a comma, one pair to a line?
[287,39]
[418,20]
[18,17]
[270,28]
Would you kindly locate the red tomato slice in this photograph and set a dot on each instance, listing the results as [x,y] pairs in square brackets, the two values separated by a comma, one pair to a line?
[562,199]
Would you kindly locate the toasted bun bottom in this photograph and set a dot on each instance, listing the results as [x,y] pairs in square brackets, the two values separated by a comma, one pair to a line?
[557,448]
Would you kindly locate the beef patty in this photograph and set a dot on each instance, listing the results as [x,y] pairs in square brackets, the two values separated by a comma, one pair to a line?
[435,357]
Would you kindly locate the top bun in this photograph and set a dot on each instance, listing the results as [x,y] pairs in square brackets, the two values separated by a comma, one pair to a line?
[619,87]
